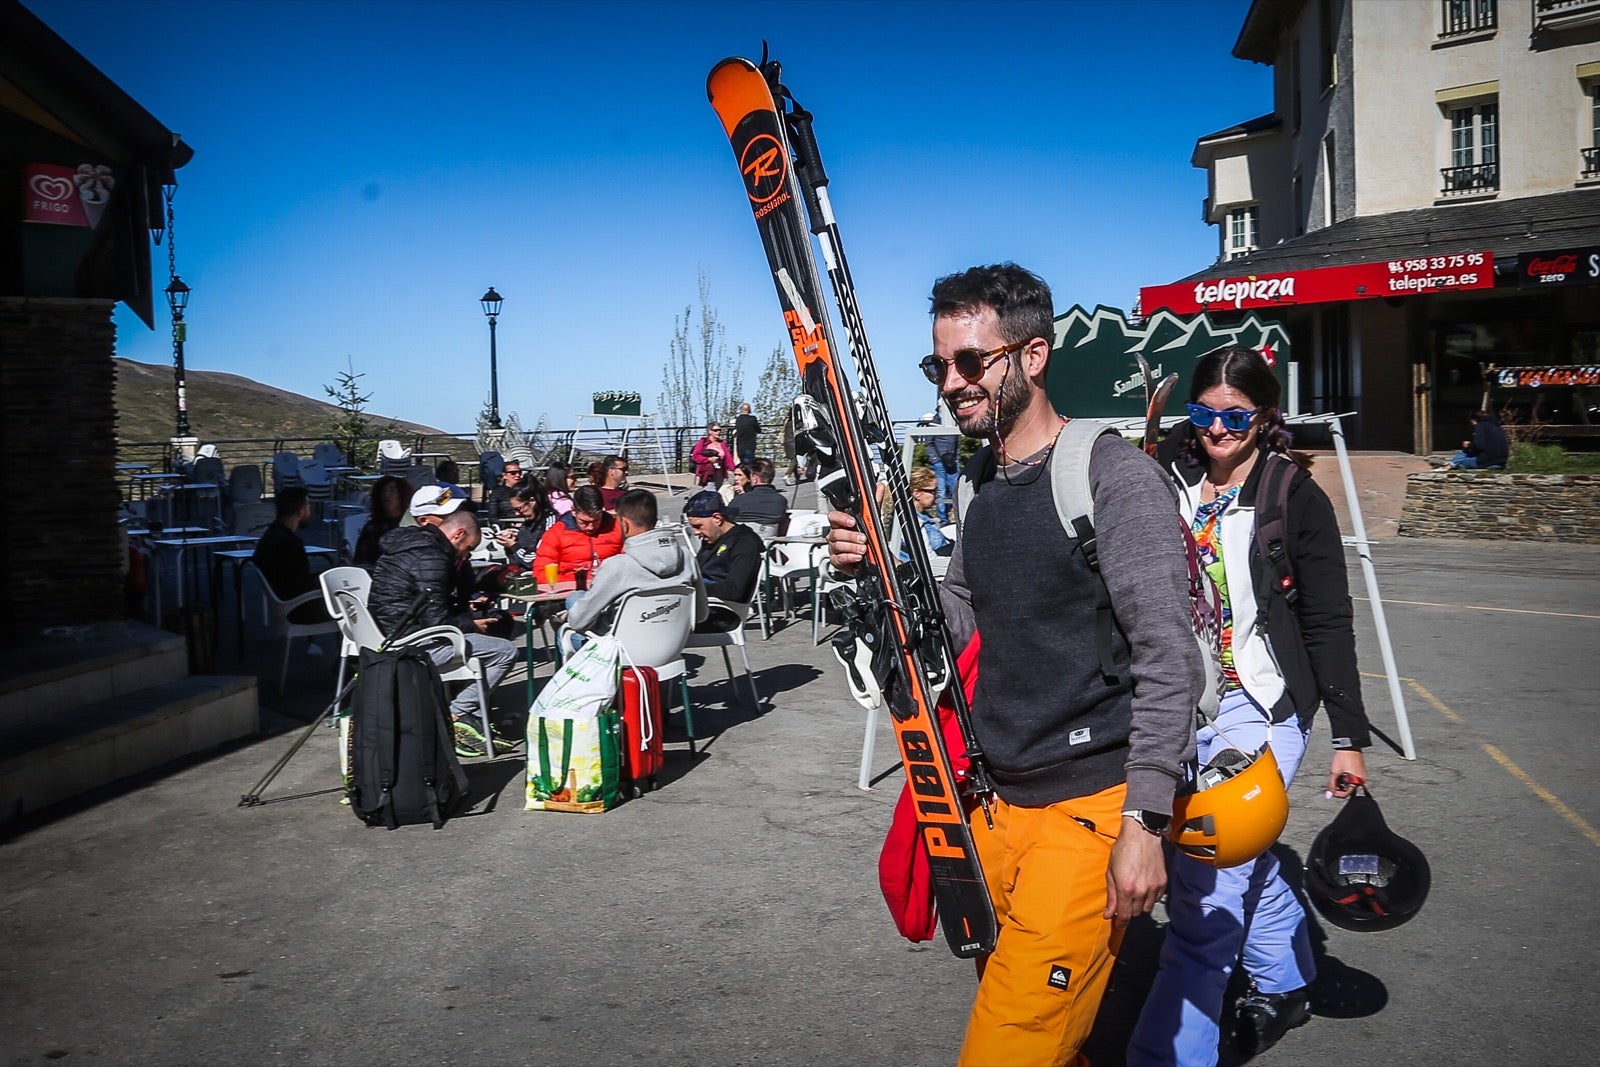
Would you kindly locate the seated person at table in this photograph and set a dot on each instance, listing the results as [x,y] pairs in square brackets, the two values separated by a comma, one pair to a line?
[448,471]
[760,506]
[497,502]
[281,557]
[729,560]
[581,540]
[615,481]
[387,503]
[925,495]
[559,482]
[650,557]
[423,560]
[521,541]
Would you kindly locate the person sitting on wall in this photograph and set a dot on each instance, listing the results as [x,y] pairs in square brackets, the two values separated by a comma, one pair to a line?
[1486,450]
[729,560]
[281,557]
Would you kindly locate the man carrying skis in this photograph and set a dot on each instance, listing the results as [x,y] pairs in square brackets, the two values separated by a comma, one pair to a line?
[1084,764]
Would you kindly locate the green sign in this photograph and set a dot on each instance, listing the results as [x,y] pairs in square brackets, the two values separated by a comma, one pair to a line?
[1094,369]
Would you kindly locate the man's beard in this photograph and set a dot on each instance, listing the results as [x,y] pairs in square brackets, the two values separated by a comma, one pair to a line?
[1012,398]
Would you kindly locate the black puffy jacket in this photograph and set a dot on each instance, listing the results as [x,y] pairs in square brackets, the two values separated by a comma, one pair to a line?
[416,560]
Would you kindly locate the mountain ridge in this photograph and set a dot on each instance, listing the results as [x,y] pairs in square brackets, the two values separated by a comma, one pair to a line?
[224,406]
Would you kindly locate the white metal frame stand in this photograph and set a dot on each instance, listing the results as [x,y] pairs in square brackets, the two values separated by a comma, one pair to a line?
[644,422]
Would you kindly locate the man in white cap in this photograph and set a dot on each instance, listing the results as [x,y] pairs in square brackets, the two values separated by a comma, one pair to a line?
[427,560]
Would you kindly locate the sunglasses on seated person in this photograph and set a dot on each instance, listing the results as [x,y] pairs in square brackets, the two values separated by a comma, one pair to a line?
[970,363]
[1235,420]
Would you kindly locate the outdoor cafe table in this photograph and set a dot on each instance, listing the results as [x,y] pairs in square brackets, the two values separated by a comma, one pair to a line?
[237,558]
[547,594]
[180,545]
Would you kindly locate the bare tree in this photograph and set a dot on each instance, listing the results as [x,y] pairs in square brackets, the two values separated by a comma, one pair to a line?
[775,393]
[700,382]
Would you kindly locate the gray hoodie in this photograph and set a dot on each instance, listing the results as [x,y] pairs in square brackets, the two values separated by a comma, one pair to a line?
[655,557]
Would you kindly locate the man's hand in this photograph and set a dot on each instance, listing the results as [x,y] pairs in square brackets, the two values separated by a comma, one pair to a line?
[1137,874]
[481,625]
[1346,761]
[847,546]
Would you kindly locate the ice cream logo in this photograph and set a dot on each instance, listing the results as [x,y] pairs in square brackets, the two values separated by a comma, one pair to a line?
[95,183]
[52,193]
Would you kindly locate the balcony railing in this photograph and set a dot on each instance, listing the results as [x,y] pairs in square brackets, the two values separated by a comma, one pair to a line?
[1467,16]
[1556,14]
[1591,161]
[1477,178]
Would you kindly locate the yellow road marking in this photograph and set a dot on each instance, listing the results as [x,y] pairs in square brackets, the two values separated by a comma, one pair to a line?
[1512,769]
[1484,607]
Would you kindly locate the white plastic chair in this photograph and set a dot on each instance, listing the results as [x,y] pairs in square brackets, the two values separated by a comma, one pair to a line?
[352,580]
[653,625]
[723,639]
[393,458]
[275,615]
[360,630]
[789,558]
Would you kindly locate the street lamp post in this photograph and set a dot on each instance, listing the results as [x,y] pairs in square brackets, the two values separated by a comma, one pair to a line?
[177,300]
[491,307]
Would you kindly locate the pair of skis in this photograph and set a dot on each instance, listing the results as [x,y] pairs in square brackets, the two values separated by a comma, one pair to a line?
[895,646]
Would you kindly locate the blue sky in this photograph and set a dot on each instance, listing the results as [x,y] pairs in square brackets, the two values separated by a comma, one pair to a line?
[363,171]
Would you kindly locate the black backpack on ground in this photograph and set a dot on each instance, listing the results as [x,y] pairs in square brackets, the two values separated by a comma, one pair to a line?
[403,766]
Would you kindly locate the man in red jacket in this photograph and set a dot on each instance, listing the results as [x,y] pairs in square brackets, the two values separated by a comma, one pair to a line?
[581,539]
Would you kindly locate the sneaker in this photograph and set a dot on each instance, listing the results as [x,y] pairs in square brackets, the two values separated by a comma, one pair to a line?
[469,740]
[1266,1017]
[503,741]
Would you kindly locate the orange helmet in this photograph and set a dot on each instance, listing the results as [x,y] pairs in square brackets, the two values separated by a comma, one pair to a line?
[1236,813]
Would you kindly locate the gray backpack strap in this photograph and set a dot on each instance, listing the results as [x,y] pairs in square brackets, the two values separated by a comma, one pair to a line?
[1069,484]
[979,469]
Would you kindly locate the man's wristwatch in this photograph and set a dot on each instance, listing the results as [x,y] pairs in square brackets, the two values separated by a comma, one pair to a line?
[1151,822]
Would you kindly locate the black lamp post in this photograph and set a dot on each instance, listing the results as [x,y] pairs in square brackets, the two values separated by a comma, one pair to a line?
[491,307]
[177,300]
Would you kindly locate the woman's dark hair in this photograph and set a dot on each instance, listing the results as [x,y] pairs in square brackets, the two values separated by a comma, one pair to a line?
[532,490]
[597,473]
[555,479]
[1246,371]
[375,503]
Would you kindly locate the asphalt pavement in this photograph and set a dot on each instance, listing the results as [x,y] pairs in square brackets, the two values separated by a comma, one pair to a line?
[733,916]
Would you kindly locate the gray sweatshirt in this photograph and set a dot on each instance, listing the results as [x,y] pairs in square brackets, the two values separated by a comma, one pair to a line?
[1051,725]
[655,557]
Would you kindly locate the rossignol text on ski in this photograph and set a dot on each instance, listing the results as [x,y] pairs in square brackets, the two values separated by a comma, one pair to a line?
[895,645]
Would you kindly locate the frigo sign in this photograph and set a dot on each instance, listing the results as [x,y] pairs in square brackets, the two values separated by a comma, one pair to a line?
[1572,266]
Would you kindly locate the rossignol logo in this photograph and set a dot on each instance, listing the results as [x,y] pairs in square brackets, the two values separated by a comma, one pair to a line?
[764,166]
[1236,291]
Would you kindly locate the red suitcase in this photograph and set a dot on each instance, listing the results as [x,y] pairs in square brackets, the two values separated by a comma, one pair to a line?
[640,704]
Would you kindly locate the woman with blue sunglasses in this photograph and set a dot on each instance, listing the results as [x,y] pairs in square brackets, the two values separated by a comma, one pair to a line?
[1281,657]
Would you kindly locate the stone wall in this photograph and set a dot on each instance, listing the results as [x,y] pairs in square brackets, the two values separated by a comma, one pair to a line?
[60,549]
[1503,506]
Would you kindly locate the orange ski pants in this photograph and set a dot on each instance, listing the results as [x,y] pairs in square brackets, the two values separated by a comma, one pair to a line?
[1040,988]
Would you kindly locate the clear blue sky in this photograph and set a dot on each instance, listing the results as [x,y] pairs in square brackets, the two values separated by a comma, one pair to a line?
[363,171]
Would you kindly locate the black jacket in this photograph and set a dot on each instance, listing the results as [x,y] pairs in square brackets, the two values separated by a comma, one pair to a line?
[281,558]
[1313,639]
[731,564]
[418,561]
[1489,442]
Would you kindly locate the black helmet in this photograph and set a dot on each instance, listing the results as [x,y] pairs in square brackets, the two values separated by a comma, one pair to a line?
[1361,875]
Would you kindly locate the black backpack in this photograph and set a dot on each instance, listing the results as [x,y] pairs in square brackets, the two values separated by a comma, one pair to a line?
[403,766]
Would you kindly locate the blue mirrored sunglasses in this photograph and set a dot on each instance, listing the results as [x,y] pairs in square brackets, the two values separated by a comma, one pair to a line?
[1235,419]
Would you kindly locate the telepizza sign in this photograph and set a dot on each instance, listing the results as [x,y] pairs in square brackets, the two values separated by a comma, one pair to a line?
[1358,281]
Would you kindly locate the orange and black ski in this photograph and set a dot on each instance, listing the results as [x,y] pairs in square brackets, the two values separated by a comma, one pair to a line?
[895,645]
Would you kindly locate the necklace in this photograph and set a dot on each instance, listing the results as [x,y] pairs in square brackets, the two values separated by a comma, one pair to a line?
[1038,457]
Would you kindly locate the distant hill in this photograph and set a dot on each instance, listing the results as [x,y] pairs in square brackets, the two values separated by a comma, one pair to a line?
[222,407]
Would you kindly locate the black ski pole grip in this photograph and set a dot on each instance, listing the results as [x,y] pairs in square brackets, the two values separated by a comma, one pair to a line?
[804,142]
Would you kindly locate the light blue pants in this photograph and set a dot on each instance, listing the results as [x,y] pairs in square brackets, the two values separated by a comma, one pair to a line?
[1218,917]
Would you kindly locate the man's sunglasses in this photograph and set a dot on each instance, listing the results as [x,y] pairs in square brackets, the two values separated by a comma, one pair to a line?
[1234,419]
[970,363]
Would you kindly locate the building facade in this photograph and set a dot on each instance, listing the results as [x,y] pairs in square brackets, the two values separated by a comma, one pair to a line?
[1420,209]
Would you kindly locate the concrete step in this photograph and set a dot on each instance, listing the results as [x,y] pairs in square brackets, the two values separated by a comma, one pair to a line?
[98,663]
[48,760]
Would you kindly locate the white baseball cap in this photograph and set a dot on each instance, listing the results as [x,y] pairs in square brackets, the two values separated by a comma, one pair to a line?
[435,500]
